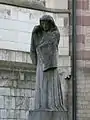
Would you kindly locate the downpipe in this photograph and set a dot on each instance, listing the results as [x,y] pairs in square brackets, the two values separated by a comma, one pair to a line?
[74,86]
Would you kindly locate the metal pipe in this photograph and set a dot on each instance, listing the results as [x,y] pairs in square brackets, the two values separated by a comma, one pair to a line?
[32,5]
[74,87]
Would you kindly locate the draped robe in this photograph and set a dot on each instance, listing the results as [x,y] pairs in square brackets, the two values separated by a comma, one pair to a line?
[44,54]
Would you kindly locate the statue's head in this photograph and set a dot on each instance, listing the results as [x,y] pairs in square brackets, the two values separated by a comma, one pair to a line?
[47,23]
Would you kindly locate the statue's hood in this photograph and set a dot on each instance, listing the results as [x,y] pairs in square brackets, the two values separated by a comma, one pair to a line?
[38,29]
[47,18]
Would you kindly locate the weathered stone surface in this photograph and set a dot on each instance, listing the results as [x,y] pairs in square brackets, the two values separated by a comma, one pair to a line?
[22,114]
[4,91]
[47,115]
[10,114]
[32,103]
[6,83]
[1,102]
[3,113]
[17,114]
[9,102]
[28,84]
[16,25]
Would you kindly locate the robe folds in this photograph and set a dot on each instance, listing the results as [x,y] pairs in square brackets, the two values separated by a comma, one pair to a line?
[44,54]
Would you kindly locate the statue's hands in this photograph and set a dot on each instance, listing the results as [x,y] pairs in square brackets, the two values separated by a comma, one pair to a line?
[50,39]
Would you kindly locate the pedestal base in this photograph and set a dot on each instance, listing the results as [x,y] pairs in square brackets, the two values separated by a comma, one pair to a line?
[47,115]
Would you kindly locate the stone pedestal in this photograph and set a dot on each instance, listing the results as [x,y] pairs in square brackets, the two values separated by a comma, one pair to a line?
[47,115]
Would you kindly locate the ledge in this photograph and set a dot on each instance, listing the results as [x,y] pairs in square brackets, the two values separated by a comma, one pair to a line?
[32,5]
[16,66]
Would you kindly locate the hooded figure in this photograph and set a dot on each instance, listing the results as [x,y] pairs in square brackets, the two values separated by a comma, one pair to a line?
[43,52]
[47,43]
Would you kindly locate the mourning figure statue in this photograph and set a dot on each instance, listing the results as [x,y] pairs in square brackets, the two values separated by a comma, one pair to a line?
[44,54]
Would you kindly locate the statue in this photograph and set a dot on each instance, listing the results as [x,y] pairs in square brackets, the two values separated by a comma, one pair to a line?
[44,53]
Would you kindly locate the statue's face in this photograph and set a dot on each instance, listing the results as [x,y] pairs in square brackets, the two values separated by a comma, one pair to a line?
[45,25]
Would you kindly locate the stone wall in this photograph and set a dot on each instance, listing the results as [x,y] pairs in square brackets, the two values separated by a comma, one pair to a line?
[17,74]
[17,83]
[16,25]
[16,97]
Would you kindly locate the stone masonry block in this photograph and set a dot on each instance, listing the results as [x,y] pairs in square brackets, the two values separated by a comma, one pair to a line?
[67,61]
[5,91]
[9,102]
[10,114]
[14,13]
[18,56]
[14,25]
[3,113]
[17,114]
[5,83]
[63,51]
[12,92]
[8,35]
[24,57]
[14,84]
[28,84]
[22,114]
[19,101]
[25,105]
[66,41]
[12,56]
[22,92]
[31,103]
[23,16]
[1,102]
[22,103]
[24,37]
[5,55]
[29,93]
[28,59]
[19,92]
